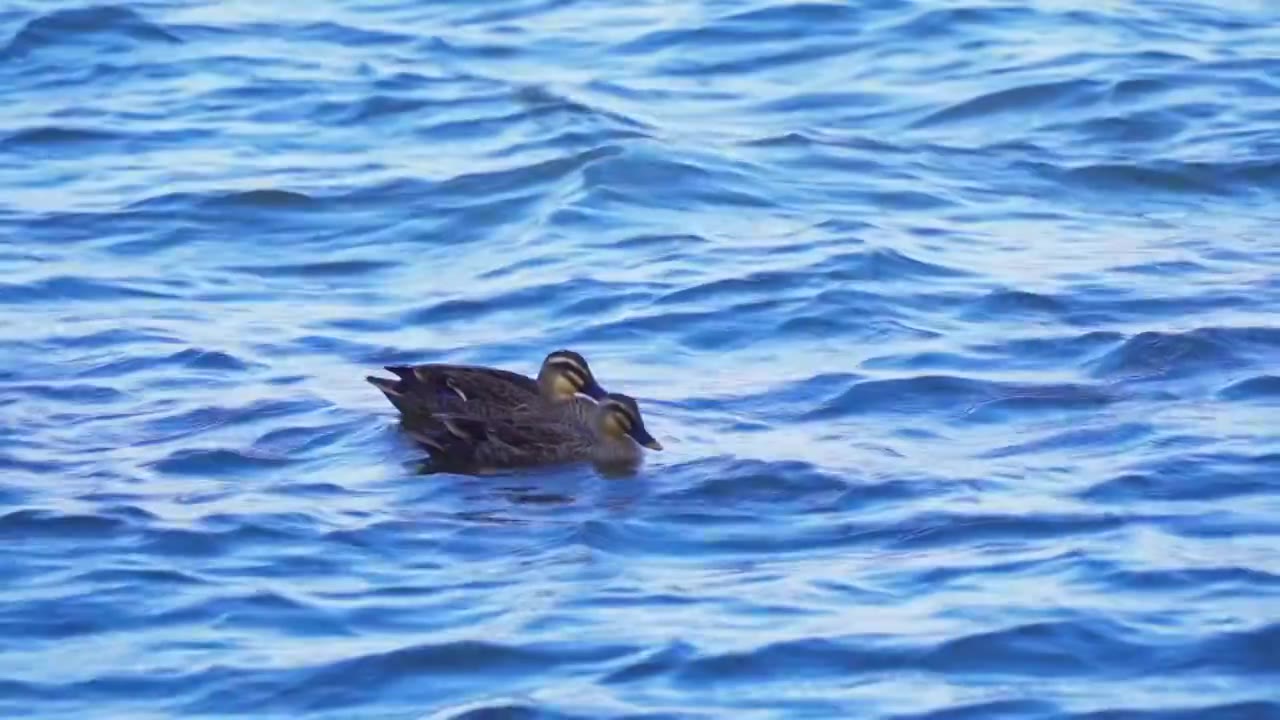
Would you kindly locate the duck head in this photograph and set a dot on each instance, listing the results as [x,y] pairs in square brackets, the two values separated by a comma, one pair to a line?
[564,374]
[620,417]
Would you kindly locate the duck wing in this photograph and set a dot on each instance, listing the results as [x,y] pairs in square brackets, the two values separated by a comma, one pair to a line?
[439,388]
[500,442]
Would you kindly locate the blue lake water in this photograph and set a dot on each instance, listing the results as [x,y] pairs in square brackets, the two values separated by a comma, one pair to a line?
[958,321]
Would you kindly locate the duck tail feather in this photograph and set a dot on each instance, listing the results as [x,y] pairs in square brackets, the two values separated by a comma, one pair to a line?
[386,385]
[404,372]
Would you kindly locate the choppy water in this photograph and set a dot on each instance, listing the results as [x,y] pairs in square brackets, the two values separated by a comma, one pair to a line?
[957,320]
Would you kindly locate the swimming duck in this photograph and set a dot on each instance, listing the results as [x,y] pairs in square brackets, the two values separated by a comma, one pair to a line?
[486,392]
[613,435]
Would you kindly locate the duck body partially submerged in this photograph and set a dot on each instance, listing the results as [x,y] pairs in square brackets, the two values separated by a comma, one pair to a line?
[613,435]
[479,391]
[470,416]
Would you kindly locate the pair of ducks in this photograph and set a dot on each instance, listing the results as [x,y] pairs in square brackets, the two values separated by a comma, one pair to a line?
[474,416]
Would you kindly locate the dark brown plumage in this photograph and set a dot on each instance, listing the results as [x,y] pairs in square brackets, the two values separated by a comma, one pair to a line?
[433,388]
[612,435]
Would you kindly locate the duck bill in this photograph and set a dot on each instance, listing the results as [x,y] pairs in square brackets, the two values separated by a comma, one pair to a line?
[643,437]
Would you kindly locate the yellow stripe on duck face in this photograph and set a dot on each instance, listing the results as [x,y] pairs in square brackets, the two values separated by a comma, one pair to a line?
[621,414]
[567,363]
[565,385]
[616,424]
[578,379]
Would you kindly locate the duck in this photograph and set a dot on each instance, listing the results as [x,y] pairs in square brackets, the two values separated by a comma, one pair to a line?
[614,436]
[429,389]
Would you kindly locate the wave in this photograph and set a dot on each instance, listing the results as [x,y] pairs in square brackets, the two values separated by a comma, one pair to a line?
[329,685]
[1023,98]
[332,268]
[1150,355]
[77,289]
[58,135]
[954,394]
[1186,711]
[119,26]
[201,463]
[260,198]
[768,23]
[1216,475]
[189,358]
[959,322]
[1255,388]
[53,524]
[1222,178]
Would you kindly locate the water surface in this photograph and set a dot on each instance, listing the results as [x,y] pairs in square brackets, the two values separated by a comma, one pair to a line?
[957,320]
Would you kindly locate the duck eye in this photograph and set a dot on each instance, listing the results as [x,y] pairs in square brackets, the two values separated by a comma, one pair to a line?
[623,419]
